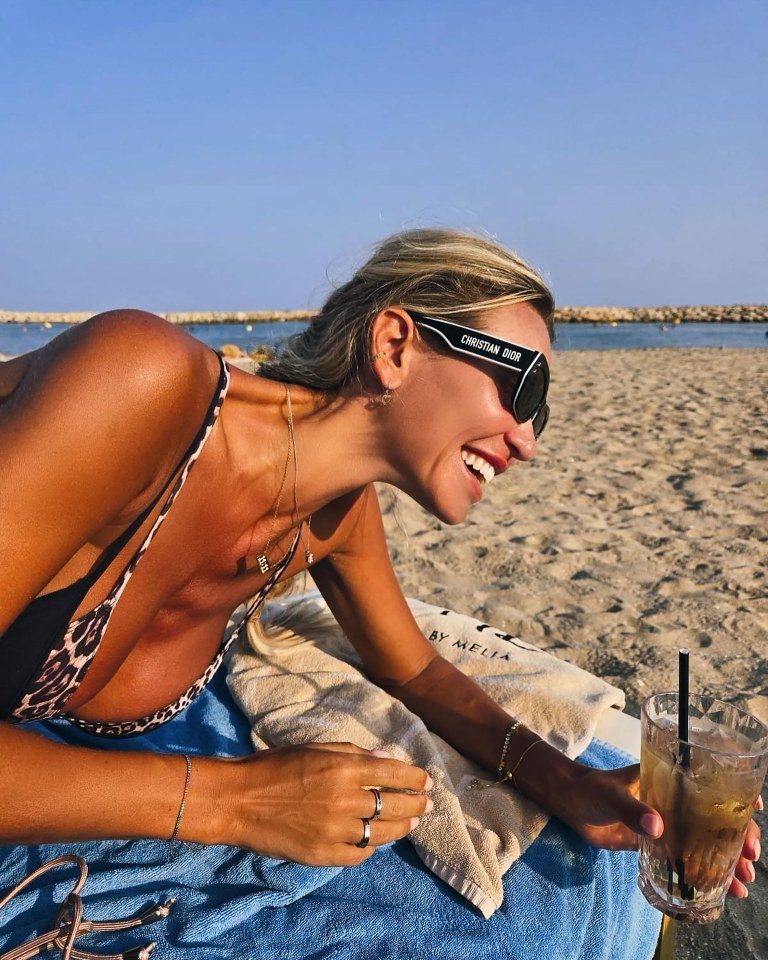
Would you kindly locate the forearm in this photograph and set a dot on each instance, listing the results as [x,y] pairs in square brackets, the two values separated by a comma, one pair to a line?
[401,660]
[457,709]
[601,806]
[54,792]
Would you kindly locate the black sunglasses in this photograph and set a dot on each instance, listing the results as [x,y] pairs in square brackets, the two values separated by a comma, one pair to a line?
[529,399]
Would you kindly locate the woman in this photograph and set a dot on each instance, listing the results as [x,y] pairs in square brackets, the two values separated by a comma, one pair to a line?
[147,490]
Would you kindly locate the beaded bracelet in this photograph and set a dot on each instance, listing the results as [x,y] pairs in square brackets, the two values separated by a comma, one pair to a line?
[502,759]
[477,783]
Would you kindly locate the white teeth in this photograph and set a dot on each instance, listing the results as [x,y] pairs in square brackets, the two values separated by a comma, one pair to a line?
[480,464]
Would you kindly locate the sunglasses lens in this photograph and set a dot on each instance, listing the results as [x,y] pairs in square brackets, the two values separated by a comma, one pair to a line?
[540,421]
[532,393]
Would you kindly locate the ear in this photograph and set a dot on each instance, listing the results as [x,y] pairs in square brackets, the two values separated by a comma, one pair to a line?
[392,346]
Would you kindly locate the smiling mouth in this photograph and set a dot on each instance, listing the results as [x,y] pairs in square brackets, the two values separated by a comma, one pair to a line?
[478,466]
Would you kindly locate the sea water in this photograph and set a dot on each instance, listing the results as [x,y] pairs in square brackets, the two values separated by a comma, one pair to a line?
[21,338]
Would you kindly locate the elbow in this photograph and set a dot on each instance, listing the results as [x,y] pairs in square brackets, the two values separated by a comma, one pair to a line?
[401,684]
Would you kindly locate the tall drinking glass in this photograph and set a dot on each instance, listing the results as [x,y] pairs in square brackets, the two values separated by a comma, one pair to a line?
[705,789]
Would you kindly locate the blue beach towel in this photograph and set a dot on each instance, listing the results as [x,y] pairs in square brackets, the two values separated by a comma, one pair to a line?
[562,899]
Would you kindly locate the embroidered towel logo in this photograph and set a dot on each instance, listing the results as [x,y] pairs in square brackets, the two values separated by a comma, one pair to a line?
[462,643]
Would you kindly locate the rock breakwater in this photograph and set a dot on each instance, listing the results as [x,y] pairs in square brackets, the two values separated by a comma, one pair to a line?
[732,313]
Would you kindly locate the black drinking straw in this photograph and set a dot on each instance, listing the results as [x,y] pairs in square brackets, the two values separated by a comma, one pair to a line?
[682,705]
[687,892]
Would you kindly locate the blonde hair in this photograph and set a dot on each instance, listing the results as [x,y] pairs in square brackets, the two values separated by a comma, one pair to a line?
[447,273]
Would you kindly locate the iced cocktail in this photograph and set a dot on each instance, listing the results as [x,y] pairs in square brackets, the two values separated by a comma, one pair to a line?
[705,790]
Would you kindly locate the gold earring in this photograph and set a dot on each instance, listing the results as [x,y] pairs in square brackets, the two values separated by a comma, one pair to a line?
[377,356]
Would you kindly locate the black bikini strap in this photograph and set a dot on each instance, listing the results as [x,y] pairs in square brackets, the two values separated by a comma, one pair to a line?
[104,559]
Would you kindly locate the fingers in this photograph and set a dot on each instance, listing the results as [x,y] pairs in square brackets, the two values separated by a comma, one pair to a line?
[386,817]
[338,748]
[393,774]
[380,831]
[737,889]
[379,770]
[308,803]
[393,805]
[390,815]
[751,848]
[650,824]
[745,871]
[365,835]
[640,817]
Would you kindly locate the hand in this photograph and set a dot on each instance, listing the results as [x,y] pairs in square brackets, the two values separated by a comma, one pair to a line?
[307,803]
[745,872]
[604,810]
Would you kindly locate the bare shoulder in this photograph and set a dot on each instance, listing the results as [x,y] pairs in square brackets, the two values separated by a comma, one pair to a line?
[138,348]
[108,408]
[128,364]
[123,387]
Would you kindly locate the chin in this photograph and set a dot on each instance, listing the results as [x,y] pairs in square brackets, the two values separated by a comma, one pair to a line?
[441,498]
[453,517]
[450,513]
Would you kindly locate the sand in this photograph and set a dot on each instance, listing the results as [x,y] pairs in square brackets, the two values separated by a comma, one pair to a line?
[641,527]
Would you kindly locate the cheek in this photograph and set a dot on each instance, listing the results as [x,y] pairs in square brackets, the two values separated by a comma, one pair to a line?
[474,412]
[459,401]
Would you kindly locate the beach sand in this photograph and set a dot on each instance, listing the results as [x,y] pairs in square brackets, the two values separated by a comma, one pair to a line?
[641,527]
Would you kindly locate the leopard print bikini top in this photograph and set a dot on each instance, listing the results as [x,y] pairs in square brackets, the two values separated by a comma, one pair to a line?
[44,655]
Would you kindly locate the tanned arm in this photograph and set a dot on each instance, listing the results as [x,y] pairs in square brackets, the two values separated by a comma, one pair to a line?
[399,658]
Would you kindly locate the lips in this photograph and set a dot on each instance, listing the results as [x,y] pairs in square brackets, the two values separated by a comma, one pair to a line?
[483,469]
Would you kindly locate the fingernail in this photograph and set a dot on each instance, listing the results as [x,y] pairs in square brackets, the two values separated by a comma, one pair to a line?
[650,824]
[759,802]
[757,850]
[430,806]
[430,783]
[750,872]
[383,754]
[414,823]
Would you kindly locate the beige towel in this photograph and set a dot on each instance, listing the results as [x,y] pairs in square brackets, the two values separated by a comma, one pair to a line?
[300,680]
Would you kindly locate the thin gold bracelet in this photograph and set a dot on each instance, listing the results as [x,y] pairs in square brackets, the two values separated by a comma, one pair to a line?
[510,774]
[172,839]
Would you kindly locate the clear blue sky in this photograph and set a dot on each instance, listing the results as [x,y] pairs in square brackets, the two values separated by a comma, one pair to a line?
[236,154]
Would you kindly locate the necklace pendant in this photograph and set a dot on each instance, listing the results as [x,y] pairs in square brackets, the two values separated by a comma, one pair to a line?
[309,557]
[263,563]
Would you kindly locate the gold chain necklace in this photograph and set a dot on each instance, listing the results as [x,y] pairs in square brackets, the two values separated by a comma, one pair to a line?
[264,565]
[308,555]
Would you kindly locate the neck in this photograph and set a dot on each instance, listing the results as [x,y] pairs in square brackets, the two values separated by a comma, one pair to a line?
[339,448]
[342,444]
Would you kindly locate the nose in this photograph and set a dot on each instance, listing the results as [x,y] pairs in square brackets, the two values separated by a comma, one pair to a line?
[520,440]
